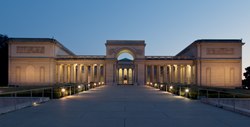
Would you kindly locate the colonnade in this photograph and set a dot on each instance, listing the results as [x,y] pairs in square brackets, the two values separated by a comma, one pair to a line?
[80,73]
[125,75]
[174,73]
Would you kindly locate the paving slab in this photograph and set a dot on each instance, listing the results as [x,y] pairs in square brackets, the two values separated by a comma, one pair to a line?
[123,106]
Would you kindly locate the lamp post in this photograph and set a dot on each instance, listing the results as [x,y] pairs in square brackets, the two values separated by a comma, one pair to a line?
[63,90]
[186,92]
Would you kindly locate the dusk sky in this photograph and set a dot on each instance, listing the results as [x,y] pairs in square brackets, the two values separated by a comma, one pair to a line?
[167,26]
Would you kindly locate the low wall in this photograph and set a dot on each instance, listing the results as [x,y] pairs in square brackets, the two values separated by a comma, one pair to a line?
[8,104]
[240,105]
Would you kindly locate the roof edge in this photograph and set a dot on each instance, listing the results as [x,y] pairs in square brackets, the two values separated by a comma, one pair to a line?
[211,41]
[51,40]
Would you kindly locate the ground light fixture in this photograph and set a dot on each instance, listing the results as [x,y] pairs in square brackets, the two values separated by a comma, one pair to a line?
[34,104]
[186,90]
[94,84]
[88,85]
[171,87]
[155,84]
[161,85]
[79,86]
[63,90]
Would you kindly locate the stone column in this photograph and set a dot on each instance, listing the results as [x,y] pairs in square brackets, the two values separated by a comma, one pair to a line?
[104,73]
[114,74]
[169,73]
[165,74]
[58,73]
[133,79]
[82,74]
[92,73]
[65,72]
[86,73]
[158,73]
[122,75]
[181,74]
[172,73]
[79,68]
[191,74]
[129,76]
[135,75]
[98,73]
[117,75]
[152,74]
[71,73]
[185,74]
[146,74]
[89,73]
[178,73]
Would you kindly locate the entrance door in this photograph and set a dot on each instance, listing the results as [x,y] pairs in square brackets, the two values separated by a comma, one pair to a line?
[124,76]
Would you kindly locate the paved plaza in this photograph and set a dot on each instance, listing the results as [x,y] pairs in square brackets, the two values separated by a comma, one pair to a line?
[123,106]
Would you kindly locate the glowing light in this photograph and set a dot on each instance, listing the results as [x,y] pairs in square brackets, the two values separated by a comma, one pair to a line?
[187,90]
[94,84]
[171,87]
[88,85]
[102,82]
[151,83]
[246,87]
[79,86]
[155,84]
[99,83]
[34,104]
[161,86]
[63,90]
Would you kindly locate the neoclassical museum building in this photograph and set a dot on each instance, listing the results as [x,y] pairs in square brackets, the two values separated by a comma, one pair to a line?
[45,61]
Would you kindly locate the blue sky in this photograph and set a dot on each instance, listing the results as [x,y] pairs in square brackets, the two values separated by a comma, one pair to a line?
[167,26]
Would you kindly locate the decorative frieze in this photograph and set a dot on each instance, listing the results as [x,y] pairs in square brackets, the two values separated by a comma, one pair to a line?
[220,51]
[30,49]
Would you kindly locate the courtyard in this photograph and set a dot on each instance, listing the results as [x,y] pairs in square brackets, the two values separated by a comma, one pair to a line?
[123,106]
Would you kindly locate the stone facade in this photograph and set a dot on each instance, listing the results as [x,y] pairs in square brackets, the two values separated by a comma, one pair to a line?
[45,61]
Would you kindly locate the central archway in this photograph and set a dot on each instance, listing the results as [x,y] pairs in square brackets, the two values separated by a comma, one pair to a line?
[130,52]
[117,67]
[125,67]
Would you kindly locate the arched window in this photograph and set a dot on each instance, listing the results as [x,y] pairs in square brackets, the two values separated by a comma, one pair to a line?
[30,74]
[125,56]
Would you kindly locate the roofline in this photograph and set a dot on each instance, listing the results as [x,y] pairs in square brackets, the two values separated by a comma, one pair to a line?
[218,40]
[125,42]
[211,41]
[51,40]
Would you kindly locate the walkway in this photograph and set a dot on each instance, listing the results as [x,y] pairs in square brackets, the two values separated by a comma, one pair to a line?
[123,106]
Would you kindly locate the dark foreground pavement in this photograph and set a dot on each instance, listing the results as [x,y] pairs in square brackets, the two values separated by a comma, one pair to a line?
[123,106]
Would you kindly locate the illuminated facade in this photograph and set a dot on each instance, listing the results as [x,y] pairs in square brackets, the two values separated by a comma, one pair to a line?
[45,61]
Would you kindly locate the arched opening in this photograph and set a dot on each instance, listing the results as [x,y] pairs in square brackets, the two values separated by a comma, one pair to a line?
[125,55]
[125,67]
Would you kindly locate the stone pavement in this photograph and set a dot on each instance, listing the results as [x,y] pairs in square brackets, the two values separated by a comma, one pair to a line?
[123,106]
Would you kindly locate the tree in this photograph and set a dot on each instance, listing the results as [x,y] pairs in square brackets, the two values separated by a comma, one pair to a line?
[4,60]
[246,81]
